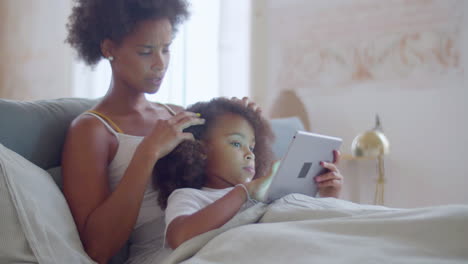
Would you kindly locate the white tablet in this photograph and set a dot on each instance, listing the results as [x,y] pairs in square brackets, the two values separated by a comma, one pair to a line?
[301,164]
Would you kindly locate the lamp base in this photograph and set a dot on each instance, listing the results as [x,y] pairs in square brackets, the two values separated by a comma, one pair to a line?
[380,185]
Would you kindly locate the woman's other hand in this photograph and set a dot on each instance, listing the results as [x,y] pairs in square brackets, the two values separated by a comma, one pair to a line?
[247,103]
[167,134]
[330,183]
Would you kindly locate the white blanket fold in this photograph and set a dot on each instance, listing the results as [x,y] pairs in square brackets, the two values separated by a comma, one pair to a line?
[301,229]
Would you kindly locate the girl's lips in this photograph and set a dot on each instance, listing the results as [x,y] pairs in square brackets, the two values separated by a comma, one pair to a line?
[250,170]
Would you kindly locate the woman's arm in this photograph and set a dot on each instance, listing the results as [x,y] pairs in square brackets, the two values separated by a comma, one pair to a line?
[105,219]
[184,227]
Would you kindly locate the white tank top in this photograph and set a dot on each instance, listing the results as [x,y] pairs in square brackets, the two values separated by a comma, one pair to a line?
[147,237]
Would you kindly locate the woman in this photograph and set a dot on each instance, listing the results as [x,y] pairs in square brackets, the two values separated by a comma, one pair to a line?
[110,152]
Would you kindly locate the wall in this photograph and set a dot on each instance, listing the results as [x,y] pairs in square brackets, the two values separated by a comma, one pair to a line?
[35,61]
[234,47]
[347,61]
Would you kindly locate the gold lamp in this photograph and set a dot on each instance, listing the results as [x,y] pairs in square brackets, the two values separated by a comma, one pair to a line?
[373,144]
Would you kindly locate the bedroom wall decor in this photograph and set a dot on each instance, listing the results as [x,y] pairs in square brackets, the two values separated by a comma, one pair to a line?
[347,60]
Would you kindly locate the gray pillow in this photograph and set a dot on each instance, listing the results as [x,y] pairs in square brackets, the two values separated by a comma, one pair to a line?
[284,129]
[36,130]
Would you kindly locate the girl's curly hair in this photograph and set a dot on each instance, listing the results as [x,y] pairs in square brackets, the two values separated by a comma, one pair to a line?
[184,167]
[92,21]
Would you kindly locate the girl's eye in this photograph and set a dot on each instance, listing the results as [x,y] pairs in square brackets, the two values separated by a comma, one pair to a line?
[166,50]
[251,148]
[236,144]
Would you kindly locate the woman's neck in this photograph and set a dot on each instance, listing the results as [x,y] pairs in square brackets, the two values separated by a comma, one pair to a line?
[124,100]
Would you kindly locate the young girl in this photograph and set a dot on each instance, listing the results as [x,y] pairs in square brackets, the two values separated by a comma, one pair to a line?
[204,183]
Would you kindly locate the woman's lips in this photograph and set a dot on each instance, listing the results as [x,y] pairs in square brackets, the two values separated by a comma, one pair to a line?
[155,81]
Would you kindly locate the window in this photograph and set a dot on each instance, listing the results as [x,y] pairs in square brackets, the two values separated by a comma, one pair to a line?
[193,73]
[209,57]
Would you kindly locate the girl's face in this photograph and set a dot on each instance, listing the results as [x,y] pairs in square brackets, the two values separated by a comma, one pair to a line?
[230,159]
[142,58]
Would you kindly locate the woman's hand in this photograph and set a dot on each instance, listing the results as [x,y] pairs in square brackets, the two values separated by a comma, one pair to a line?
[330,183]
[167,134]
[247,103]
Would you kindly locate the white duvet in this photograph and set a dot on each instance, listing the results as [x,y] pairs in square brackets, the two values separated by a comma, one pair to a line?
[301,229]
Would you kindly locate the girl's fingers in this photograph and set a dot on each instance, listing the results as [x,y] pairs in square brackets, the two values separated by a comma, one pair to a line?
[274,168]
[336,156]
[329,176]
[330,183]
[330,166]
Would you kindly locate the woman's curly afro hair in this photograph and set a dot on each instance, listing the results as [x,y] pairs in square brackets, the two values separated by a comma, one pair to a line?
[92,21]
[184,167]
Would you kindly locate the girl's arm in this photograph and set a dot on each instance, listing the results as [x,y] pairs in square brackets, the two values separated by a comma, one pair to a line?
[213,216]
[184,227]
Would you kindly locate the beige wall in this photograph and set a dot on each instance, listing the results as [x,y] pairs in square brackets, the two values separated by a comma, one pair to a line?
[35,60]
[339,62]
[348,60]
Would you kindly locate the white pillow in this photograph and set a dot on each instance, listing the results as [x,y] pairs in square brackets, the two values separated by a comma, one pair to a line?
[36,224]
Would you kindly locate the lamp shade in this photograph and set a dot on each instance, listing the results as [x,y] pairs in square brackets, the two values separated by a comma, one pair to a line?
[372,143]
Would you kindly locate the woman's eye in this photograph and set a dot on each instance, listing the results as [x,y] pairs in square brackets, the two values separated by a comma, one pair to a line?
[144,53]
[166,50]
[251,148]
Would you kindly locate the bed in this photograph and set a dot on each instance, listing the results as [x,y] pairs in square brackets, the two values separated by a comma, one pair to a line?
[37,227]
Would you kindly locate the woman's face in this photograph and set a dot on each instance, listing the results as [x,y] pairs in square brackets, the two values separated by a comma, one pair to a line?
[230,159]
[141,59]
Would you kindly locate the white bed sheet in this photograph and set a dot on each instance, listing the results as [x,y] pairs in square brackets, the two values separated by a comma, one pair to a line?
[302,229]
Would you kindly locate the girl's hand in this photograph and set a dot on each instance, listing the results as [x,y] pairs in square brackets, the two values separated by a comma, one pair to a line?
[330,183]
[247,103]
[167,134]
[258,187]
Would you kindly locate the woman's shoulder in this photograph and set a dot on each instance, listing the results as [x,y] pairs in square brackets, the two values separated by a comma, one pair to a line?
[88,126]
[85,122]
